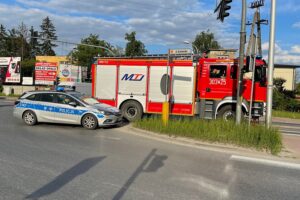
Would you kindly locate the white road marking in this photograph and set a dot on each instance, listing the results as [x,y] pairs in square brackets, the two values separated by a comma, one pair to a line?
[291,132]
[214,187]
[266,162]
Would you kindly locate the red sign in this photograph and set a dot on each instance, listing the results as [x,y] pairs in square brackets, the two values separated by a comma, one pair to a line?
[45,73]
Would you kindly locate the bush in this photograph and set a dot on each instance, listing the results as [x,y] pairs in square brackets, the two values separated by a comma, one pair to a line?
[256,136]
[284,99]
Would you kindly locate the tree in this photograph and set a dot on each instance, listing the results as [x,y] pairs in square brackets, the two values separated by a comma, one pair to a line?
[205,41]
[284,99]
[34,44]
[22,37]
[13,43]
[134,47]
[84,55]
[3,41]
[47,34]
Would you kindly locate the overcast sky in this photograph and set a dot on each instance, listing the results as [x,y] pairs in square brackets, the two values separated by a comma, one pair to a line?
[160,24]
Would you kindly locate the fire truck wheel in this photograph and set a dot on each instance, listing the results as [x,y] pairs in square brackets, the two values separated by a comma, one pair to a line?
[132,110]
[227,113]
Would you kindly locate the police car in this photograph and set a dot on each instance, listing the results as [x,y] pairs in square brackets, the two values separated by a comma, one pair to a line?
[67,107]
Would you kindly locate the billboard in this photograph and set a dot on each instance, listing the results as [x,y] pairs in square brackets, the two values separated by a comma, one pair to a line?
[70,73]
[45,73]
[10,69]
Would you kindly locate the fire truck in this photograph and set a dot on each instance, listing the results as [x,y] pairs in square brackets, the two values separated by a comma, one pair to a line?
[193,86]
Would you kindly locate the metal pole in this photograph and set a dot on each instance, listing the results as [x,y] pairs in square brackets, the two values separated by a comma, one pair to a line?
[253,78]
[259,34]
[166,104]
[271,65]
[251,34]
[241,64]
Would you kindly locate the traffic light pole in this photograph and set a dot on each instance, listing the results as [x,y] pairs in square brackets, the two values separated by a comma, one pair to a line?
[241,64]
[271,65]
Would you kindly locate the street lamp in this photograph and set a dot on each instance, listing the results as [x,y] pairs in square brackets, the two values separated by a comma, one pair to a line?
[187,42]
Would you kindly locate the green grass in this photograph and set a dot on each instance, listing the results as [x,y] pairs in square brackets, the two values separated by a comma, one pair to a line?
[2,94]
[255,136]
[13,95]
[286,114]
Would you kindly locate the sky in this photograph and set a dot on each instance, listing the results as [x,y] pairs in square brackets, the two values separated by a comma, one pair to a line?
[159,24]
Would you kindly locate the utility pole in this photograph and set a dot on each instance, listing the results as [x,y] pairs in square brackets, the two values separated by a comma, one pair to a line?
[271,65]
[258,21]
[241,64]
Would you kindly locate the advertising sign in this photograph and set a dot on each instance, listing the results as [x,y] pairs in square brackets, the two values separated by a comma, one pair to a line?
[45,73]
[27,81]
[69,73]
[10,69]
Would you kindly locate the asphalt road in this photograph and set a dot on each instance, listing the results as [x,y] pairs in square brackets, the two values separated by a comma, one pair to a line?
[68,162]
[288,128]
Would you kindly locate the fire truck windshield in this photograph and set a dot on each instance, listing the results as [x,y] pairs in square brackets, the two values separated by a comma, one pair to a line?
[260,75]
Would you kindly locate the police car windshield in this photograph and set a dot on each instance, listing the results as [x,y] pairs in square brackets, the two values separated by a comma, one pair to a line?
[86,99]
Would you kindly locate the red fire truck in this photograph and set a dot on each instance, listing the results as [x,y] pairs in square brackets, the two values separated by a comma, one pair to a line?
[200,87]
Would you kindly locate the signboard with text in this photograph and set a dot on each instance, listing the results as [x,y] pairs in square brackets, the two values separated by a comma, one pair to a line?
[45,73]
[10,69]
[69,73]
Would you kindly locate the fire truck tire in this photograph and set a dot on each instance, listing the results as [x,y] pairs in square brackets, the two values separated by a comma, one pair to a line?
[132,110]
[227,112]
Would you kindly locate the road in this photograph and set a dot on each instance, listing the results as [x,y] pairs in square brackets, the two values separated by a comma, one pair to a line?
[288,128]
[68,162]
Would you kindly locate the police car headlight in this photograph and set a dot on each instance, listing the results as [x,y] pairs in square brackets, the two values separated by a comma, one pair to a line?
[104,112]
[101,112]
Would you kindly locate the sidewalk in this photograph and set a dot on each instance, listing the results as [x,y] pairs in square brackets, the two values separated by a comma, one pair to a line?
[290,142]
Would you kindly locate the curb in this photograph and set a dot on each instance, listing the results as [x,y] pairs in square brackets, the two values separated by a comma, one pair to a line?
[284,155]
[9,98]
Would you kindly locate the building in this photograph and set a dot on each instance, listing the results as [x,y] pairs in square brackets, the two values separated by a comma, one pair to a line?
[57,59]
[288,73]
[221,53]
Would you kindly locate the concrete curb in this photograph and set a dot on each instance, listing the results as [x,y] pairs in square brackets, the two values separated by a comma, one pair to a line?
[285,155]
[9,98]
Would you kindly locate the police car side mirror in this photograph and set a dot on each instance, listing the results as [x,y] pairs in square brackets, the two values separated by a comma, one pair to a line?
[73,104]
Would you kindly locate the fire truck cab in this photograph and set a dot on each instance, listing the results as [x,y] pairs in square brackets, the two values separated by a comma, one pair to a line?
[200,87]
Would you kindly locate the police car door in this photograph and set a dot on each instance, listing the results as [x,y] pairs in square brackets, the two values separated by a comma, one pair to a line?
[45,106]
[69,110]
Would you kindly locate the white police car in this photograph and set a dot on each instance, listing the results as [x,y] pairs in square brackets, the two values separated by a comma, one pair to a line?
[65,107]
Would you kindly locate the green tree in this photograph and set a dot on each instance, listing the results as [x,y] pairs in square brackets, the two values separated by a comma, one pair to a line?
[284,99]
[205,41]
[3,41]
[22,37]
[13,43]
[27,67]
[34,43]
[48,34]
[84,55]
[134,47]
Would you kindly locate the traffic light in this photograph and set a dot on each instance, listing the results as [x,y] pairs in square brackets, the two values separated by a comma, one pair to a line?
[223,8]
[57,81]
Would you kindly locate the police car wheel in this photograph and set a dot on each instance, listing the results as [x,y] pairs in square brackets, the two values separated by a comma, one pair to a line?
[29,118]
[132,110]
[89,121]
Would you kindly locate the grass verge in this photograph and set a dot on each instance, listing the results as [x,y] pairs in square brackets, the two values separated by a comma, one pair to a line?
[286,114]
[257,136]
